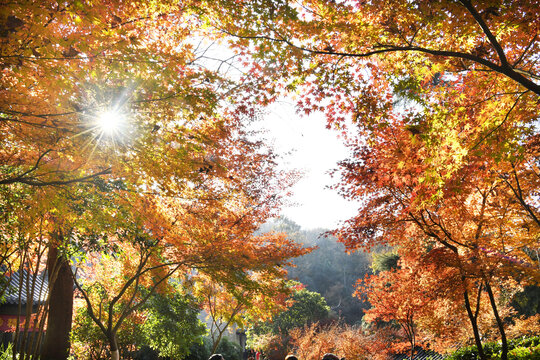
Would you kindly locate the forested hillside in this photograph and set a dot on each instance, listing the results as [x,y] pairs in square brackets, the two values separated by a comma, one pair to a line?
[328,270]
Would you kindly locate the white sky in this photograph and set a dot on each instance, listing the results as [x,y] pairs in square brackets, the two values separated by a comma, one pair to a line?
[315,150]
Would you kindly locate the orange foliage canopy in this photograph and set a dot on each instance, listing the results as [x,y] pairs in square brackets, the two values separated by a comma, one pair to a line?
[439,104]
[181,183]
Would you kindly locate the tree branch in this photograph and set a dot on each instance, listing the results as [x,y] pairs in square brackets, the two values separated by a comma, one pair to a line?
[502,122]
[33,181]
[518,193]
[492,39]
[504,68]
[525,51]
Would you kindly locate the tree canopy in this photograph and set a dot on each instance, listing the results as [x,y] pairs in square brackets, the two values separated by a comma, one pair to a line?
[126,147]
[126,151]
[439,105]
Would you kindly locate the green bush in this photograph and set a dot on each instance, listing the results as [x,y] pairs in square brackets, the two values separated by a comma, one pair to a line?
[518,349]
[229,349]
[525,341]
[6,354]
[202,351]
[199,350]
[524,353]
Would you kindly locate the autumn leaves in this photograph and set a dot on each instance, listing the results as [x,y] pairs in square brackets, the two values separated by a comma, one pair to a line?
[438,102]
[444,102]
[131,216]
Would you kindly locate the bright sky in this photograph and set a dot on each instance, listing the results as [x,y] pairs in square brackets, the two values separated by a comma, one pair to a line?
[314,150]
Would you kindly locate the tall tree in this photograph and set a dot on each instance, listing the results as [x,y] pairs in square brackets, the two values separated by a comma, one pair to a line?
[452,166]
[243,305]
[56,343]
[112,111]
[170,237]
[474,217]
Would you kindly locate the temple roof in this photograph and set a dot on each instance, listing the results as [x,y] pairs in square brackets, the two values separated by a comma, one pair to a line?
[23,291]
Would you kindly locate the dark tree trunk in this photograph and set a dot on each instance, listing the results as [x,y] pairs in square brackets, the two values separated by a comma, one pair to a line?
[113,344]
[504,354]
[56,343]
[474,324]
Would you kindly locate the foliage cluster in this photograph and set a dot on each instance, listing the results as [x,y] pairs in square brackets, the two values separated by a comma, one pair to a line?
[519,349]
[6,353]
[304,309]
[527,302]
[179,175]
[167,324]
[351,342]
[202,350]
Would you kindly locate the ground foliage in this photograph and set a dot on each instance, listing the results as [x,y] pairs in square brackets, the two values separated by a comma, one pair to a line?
[521,348]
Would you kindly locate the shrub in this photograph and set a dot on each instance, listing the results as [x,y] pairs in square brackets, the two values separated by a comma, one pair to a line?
[167,324]
[199,350]
[524,353]
[229,349]
[311,342]
[7,353]
[202,351]
[519,349]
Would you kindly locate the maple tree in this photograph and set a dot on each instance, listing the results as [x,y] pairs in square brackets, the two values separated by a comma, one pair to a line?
[132,141]
[474,220]
[52,57]
[393,298]
[438,102]
[424,297]
[25,243]
[244,305]
[172,235]
[129,279]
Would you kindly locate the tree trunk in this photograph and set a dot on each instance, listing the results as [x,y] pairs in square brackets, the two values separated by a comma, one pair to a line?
[474,324]
[500,325]
[56,343]
[113,344]
[217,341]
[413,346]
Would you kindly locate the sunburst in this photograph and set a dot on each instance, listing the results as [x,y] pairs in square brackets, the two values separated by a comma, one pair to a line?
[110,123]
[107,127]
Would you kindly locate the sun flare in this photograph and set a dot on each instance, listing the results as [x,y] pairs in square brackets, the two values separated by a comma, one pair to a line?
[110,122]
